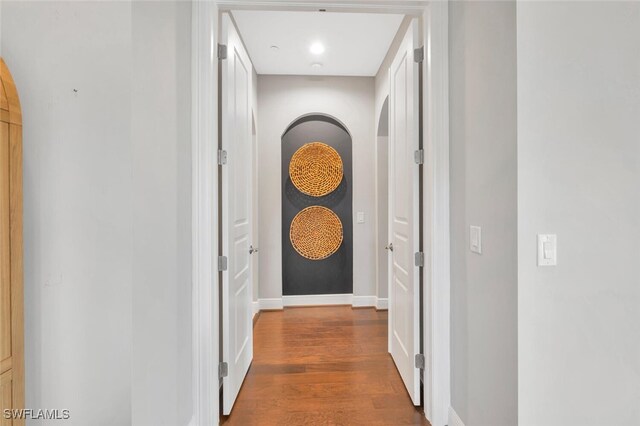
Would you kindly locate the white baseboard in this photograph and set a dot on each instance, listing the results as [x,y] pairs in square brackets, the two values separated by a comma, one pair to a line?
[363,301]
[317,299]
[269,304]
[454,419]
[382,303]
[256,307]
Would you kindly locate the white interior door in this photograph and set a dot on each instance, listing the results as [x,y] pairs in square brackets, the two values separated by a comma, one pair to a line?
[236,211]
[404,294]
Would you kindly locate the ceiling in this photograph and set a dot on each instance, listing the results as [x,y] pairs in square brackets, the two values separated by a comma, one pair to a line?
[354,43]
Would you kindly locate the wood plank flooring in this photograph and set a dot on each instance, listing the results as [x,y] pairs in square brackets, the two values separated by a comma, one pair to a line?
[323,366]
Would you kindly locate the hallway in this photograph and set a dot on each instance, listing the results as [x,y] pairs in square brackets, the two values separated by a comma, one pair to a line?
[320,366]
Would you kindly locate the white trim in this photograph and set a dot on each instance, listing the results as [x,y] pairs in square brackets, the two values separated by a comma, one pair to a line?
[436,213]
[411,7]
[320,300]
[382,303]
[454,419]
[270,304]
[364,301]
[317,299]
[255,307]
[204,215]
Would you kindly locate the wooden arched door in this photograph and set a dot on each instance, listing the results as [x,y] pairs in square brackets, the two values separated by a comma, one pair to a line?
[11,286]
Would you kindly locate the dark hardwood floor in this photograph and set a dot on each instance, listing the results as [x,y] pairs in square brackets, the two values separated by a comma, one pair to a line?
[323,366]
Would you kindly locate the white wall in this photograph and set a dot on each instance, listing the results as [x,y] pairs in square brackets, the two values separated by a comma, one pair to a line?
[161,142]
[382,219]
[579,177]
[282,99]
[107,220]
[482,87]
[255,262]
[78,163]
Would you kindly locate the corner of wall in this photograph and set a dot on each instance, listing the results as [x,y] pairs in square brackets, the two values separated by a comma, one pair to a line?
[382,303]
[454,419]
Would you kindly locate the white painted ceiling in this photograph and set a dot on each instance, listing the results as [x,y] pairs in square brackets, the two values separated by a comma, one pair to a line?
[355,43]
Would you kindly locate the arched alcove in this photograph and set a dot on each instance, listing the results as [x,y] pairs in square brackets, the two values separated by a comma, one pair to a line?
[317,116]
[334,274]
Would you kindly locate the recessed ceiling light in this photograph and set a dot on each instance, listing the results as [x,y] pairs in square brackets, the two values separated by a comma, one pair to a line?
[316,65]
[316,48]
[274,47]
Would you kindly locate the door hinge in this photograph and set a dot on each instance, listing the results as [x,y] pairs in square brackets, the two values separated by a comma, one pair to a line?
[222,51]
[420,362]
[222,263]
[418,156]
[223,370]
[418,54]
[222,157]
[419,256]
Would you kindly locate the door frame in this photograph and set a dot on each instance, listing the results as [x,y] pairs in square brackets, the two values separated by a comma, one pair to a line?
[204,180]
[436,274]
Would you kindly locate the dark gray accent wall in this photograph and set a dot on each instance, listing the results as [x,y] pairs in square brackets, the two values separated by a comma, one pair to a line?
[333,275]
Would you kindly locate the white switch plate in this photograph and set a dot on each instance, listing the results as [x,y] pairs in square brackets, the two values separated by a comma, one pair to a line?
[547,250]
[360,217]
[475,239]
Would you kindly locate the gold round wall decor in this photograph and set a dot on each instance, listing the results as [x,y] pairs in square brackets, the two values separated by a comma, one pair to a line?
[316,233]
[316,169]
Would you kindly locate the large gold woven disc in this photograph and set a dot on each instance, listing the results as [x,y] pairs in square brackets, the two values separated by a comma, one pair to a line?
[316,169]
[316,233]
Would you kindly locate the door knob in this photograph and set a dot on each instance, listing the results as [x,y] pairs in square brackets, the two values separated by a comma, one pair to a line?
[389,247]
[252,250]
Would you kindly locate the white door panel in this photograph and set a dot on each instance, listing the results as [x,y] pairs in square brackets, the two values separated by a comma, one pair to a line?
[236,211]
[404,304]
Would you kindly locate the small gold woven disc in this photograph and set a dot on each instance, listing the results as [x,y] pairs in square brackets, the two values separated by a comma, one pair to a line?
[316,169]
[316,233]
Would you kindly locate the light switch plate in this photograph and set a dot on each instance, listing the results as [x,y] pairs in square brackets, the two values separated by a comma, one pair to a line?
[475,239]
[547,250]
[360,217]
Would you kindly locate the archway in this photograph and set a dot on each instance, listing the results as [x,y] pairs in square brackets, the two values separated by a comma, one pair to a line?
[382,206]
